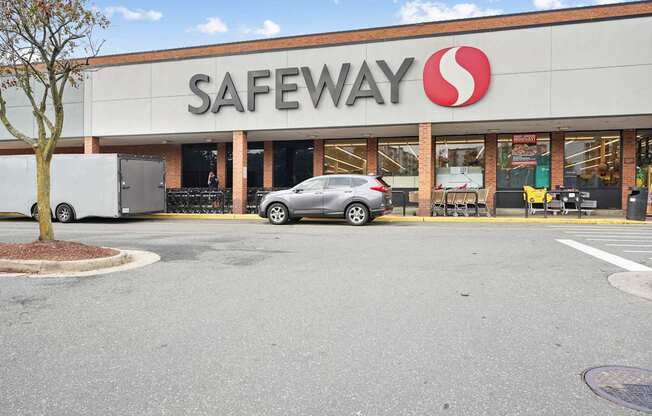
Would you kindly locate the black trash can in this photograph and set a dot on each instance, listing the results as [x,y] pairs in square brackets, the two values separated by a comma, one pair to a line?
[637,204]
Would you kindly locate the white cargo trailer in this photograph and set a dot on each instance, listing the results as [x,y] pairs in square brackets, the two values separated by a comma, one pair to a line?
[103,185]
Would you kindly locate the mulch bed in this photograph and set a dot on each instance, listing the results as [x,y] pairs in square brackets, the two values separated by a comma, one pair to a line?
[53,250]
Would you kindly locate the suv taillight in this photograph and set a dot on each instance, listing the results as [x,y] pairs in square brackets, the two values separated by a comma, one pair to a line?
[380,187]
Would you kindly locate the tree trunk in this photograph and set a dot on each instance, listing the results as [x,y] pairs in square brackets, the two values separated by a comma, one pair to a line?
[46,233]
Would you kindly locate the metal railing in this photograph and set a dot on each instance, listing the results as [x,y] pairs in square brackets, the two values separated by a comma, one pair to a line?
[211,201]
[521,192]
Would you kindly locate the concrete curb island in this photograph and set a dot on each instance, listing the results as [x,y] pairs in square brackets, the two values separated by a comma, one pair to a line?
[635,283]
[136,259]
[50,266]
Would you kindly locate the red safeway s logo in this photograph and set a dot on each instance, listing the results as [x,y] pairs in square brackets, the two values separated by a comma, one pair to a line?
[457,76]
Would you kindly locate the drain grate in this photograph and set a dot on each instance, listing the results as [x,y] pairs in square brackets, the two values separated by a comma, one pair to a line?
[627,386]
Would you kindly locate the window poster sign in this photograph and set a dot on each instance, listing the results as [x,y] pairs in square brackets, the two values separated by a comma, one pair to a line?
[524,150]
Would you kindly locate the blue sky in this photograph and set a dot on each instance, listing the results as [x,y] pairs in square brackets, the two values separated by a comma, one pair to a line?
[147,25]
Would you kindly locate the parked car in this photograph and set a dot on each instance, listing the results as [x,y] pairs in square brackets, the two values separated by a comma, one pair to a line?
[357,198]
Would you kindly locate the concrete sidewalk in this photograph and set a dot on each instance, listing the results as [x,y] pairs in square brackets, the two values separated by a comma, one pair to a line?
[397,218]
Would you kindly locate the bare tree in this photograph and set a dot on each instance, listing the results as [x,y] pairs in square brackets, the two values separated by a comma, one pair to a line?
[41,42]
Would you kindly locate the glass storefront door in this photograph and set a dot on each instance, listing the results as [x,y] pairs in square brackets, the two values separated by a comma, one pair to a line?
[197,161]
[592,163]
[529,167]
[460,161]
[293,162]
[398,162]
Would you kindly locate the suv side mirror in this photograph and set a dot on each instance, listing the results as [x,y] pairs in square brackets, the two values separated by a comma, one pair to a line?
[297,191]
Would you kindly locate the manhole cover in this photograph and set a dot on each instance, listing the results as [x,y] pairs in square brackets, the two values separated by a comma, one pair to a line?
[627,386]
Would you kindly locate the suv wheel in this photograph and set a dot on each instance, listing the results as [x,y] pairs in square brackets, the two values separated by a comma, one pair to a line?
[357,214]
[277,214]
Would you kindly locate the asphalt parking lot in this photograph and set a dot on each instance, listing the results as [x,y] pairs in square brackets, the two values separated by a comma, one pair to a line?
[324,319]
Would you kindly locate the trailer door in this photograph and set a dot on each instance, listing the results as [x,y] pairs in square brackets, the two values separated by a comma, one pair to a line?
[142,186]
[155,185]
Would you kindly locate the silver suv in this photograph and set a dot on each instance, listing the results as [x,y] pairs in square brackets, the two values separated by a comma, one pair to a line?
[357,198]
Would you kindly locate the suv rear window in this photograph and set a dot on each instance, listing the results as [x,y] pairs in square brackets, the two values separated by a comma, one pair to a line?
[382,182]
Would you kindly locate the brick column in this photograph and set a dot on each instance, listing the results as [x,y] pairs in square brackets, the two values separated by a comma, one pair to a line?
[557,159]
[426,169]
[239,172]
[268,165]
[91,145]
[372,156]
[490,162]
[629,164]
[220,169]
[318,158]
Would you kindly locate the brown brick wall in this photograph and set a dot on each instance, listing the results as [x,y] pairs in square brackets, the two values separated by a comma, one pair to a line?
[372,156]
[239,169]
[387,33]
[426,169]
[318,158]
[629,164]
[490,155]
[221,165]
[171,153]
[91,145]
[557,159]
[268,165]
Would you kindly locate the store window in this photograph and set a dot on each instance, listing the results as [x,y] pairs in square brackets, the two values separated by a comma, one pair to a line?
[460,161]
[398,162]
[197,161]
[255,163]
[293,162]
[644,158]
[345,156]
[523,160]
[592,160]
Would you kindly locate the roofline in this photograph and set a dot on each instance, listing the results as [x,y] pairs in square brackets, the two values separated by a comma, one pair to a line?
[386,33]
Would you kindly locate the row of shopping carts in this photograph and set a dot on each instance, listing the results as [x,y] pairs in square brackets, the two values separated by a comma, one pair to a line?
[197,201]
[210,201]
[460,202]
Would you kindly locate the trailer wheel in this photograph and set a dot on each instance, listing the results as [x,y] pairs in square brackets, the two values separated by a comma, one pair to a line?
[65,213]
[35,212]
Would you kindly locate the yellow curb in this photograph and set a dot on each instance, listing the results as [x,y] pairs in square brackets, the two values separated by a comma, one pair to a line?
[539,220]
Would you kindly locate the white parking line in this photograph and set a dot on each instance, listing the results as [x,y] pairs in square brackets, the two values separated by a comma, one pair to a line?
[613,236]
[629,245]
[606,232]
[637,251]
[608,257]
[619,240]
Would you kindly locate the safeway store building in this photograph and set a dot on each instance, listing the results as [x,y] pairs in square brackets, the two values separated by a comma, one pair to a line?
[546,99]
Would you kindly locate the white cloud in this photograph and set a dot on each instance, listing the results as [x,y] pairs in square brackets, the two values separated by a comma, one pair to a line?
[415,11]
[137,14]
[269,28]
[212,26]
[610,1]
[548,4]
